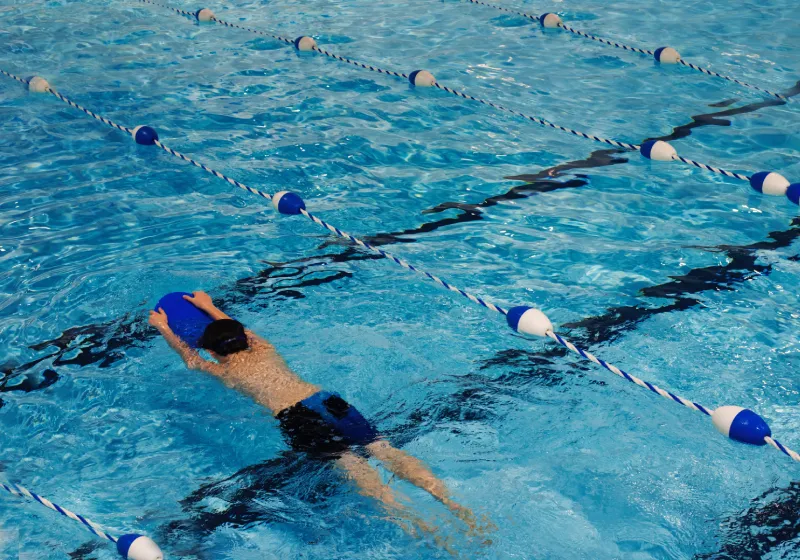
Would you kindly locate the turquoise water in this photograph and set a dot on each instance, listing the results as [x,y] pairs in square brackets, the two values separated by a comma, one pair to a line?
[686,279]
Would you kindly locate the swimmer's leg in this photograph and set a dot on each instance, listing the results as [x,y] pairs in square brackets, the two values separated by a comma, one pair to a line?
[368,480]
[370,484]
[416,472]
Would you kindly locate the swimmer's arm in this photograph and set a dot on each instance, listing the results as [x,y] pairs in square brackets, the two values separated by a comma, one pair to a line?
[190,357]
[202,301]
[253,337]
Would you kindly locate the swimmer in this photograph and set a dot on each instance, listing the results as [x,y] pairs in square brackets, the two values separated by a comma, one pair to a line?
[316,422]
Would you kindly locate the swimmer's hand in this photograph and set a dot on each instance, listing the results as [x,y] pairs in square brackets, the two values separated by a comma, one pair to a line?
[158,319]
[202,301]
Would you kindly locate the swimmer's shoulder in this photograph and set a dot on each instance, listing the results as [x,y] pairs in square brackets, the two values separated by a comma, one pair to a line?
[262,349]
[258,342]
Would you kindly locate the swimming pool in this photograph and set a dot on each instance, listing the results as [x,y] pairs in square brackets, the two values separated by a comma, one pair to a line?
[684,278]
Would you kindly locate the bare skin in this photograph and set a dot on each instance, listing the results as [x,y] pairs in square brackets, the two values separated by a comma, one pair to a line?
[261,373]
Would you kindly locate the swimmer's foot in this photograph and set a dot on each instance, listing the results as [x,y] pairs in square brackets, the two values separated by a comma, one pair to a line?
[445,543]
[476,528]
[484,529]
[463,513]
[409,522]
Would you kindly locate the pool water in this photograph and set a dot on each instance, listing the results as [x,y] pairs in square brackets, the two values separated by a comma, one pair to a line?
[686,279]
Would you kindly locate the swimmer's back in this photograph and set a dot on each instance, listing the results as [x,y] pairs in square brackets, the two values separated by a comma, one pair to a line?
[261,372]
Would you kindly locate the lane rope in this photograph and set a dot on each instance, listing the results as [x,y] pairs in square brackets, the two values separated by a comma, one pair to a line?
[666,55]
[131,546]
[22,492]
[735,422]
[765,182]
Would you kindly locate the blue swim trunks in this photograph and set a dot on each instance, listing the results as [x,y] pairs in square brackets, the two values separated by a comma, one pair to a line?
[325,425]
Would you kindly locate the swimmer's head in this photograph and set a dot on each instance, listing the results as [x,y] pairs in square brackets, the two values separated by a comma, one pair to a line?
[224,337]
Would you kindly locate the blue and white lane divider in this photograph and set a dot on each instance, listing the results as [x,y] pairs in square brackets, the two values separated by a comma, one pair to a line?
[205,16]
[735,422]
[132,546]
[776,184]
[664,55]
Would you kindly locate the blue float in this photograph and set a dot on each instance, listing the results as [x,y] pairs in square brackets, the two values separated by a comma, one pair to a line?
[288,203]
[186,321]
[550,21]
[793,193]
[421,78]
[767,182]
[666,55]
[138,547]
[37,84]
[741,424]
[528,320]
[305,43]
[204,15]
[144,135]
[658,150]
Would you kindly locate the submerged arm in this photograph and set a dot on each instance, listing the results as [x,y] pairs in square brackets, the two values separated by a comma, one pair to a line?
[190,357]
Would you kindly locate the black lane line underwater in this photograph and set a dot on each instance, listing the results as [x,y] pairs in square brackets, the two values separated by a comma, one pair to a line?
[298,492]
[104,343]
[742,266]
[537,183]
[598,158]
[765,528]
